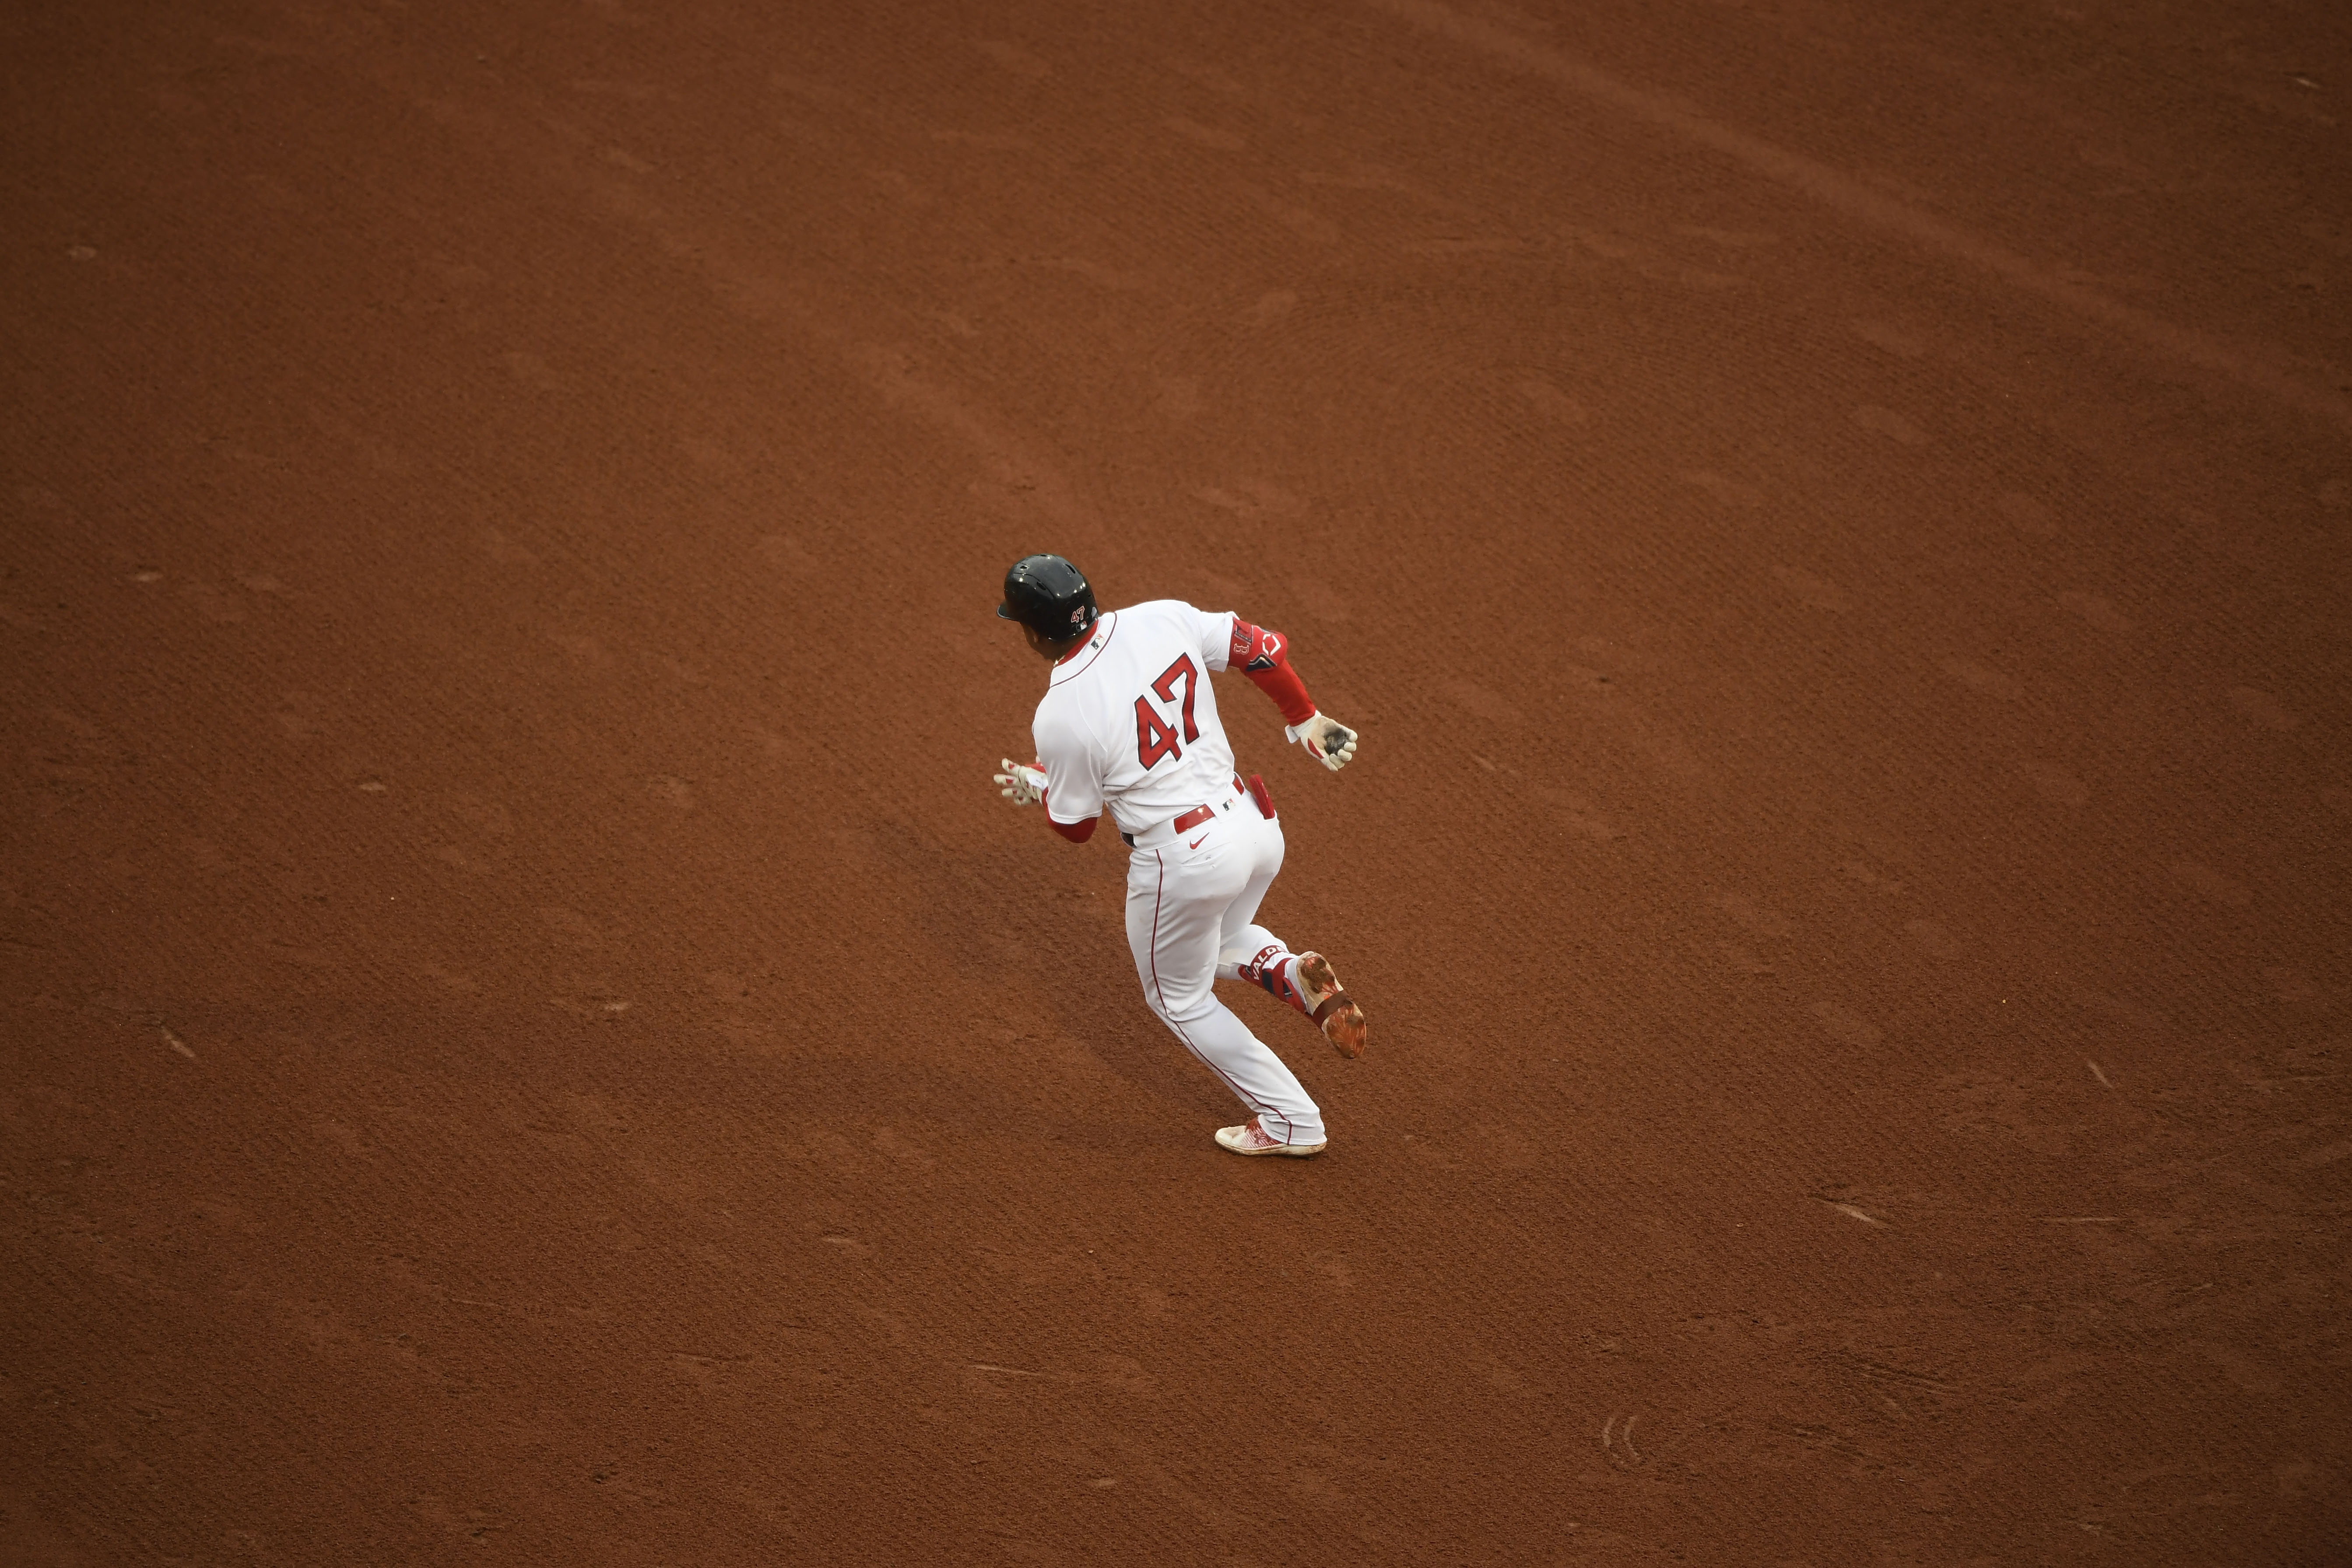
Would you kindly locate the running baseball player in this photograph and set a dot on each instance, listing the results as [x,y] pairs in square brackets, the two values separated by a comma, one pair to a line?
[1129,724]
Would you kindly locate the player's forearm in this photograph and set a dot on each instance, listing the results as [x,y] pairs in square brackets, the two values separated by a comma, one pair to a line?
[1265,657]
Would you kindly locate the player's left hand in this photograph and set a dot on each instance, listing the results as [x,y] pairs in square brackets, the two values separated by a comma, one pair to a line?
[1024,783]
[1326,740]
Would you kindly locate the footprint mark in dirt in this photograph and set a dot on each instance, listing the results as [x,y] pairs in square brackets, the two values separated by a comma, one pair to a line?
[505,551]
[1707,281]
[2262,709]
[1814,593]
[1861,871]
[2290,986]
[2026,513]
[2057,785]
[1887,422]
[1014,58]
[1730,492]
[215,605]
[449,978]
[787,554]
[1177,398]
[1323,602]
[1487,704]
[1253,501]
[2222,889]
[1729,238]
[1977,677]
[987,141]
[1305,222]
[1550,401]
[901,186]
[585,650]
[1094,272]
[1893,339]
[1202,135]
[1272,307]
[533,371]
[481,812]
[2098,610]
[1208,75]
[1847,1027]
[1749,913]
[572,923]
[1512,17]
[298,715]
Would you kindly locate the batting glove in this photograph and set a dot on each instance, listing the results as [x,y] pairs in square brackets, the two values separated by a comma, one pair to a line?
[1024,784]
[1328,741]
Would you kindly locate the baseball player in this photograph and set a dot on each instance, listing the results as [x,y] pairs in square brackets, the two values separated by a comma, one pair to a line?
[1129,724]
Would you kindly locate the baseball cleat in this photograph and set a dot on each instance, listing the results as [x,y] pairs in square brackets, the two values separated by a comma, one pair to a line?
[1334,1010]
[1250,1138]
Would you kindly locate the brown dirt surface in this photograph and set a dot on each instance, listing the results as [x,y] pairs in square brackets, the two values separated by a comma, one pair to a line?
[530,1037]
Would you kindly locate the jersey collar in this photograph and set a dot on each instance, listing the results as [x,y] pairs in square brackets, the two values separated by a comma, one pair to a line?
[1070,663]
[1081,647]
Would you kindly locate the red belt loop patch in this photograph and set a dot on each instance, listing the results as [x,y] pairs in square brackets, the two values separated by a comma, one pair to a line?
[1257,791]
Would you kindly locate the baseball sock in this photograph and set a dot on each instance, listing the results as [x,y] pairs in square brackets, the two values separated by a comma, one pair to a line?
[1259,957]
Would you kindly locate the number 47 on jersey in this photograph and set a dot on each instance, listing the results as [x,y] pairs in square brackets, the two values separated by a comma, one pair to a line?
[1154,737]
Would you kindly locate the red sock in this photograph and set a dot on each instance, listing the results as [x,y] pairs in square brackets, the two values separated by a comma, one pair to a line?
[1271,969]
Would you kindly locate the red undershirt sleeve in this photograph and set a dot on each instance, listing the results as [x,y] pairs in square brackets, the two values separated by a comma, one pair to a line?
[1265,658]
[1076,832]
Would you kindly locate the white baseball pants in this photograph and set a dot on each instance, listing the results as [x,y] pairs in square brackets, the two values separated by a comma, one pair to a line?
[1190,905]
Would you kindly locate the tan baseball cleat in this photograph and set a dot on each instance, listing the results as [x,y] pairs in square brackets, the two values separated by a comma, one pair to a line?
[1334,1010]
[1249,1138]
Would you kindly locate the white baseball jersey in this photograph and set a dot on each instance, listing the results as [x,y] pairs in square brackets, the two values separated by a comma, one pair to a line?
[1128,722]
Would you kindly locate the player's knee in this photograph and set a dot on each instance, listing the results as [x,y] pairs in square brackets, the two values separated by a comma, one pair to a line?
[1177,1008]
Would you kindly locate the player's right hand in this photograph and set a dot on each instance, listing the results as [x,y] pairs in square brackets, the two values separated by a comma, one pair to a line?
[1024,784]
[1328,741]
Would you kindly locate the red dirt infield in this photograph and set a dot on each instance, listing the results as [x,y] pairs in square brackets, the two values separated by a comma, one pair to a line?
[530,1037]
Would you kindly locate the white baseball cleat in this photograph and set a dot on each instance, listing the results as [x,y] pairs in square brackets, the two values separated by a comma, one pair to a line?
[1249,1138]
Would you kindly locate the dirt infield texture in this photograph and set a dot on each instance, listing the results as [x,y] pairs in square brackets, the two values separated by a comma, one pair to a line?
[531,1039]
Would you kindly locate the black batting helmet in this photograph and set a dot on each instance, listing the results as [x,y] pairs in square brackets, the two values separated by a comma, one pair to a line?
[1048,596]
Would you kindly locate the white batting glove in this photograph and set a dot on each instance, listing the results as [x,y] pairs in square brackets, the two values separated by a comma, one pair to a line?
[1328,741]
[1024,784]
